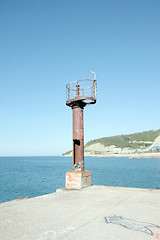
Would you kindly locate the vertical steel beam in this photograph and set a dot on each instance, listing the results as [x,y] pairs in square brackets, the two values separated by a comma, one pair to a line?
[78,137]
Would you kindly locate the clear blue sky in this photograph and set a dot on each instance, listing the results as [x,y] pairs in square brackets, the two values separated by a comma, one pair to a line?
[46,44]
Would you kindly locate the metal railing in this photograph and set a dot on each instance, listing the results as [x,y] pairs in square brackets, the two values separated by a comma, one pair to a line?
[84,89]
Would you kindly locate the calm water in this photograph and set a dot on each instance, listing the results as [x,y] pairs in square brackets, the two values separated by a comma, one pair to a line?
[35,176]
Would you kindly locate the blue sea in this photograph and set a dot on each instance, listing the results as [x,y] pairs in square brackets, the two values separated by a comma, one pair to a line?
[35,176]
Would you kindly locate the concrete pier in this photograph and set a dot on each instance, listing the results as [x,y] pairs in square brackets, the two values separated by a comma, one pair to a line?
[80,214]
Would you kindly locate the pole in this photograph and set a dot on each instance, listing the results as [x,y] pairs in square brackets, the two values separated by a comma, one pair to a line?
[78,138]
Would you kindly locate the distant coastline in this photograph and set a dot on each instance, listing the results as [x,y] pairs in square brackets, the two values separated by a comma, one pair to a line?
[138,145]
[130,156]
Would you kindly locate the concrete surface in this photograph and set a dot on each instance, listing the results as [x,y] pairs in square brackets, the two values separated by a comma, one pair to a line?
[80,214]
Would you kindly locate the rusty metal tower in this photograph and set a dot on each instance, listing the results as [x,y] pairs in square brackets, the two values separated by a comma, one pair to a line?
[79,94]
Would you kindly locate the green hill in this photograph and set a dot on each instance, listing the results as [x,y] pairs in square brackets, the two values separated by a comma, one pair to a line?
[133,141]
[123,144]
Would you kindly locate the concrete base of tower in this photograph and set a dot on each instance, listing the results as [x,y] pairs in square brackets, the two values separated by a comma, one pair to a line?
[78,179]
